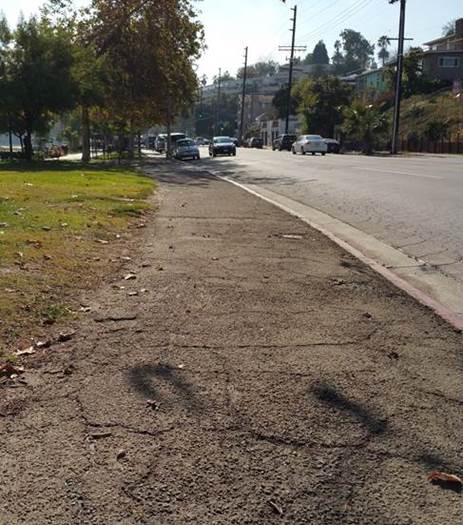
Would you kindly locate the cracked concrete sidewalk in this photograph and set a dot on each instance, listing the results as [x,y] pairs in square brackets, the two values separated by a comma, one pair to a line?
[265,376]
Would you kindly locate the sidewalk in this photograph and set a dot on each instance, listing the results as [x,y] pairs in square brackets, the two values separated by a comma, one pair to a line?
[264,377]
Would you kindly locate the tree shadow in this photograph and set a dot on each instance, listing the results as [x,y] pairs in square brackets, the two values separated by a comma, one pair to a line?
[146,380]
[330,396]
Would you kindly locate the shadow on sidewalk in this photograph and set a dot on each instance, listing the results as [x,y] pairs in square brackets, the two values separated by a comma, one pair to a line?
[329,396]
[147,380]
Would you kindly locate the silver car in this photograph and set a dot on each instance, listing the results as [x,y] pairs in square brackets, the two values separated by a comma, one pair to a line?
[309,144]
[186,149]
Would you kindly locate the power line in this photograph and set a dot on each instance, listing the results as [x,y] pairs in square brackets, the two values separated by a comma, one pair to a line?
[339,19]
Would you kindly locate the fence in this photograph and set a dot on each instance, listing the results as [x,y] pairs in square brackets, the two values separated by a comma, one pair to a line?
[448,145]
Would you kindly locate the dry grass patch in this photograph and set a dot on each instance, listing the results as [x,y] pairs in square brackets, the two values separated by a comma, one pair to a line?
[57,224]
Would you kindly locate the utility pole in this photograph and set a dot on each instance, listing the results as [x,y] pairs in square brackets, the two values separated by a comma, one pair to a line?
[293,49]
[398,83]
[217,109]
[243,96]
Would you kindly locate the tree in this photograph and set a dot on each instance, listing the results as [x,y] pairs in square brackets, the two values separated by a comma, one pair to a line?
[356,53]
[337,58]
[38,76]
[280,102]
[320,54]
[321,103]
[449,28]
[414,81]
[149,48]
[383,44]
[308,60]
[223,77]
[259,69]
[205,116]
[436,129]
[366,124]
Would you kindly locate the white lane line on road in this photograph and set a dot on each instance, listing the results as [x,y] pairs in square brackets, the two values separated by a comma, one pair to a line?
[386,171]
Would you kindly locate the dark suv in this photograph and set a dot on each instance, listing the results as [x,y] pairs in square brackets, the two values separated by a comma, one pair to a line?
[283,142]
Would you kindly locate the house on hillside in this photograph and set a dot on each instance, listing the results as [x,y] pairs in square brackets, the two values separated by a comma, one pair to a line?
[443,58]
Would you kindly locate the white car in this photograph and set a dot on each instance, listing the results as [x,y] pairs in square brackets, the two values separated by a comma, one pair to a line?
[186,149]
[309,144]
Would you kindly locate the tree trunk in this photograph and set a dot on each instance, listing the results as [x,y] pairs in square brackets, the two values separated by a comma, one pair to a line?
[85,135]
[28,145]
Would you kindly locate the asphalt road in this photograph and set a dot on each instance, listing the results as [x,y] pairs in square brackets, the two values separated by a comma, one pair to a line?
[412,203]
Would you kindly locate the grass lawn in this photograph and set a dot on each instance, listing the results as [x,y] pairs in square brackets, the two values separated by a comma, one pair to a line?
[57,223]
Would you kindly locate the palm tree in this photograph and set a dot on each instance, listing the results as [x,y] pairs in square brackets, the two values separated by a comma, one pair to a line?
[365,124]
[383,44]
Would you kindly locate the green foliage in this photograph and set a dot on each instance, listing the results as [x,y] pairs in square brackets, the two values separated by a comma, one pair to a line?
[205,116]
[365,124]
[383,44]
[260,69]
[37,80]
[321,103]
[280,102]
[352,53]
[320,54]
[449,28]
[414,81]
[436,129]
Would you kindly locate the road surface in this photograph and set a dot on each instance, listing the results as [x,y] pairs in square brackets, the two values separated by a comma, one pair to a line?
[413,204]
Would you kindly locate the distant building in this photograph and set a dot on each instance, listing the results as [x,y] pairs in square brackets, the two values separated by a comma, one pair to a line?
[270,128]
[443,58]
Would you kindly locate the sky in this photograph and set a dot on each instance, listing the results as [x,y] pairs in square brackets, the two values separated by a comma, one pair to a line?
[263,25]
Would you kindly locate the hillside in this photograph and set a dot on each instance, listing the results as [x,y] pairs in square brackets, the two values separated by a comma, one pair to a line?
[421,110]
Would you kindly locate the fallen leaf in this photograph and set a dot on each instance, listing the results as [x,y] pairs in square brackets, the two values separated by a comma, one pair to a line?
[26,351]
[102,241]
[46,228]
[436,475]
[132,294]
[126,258]
[121,454]
[181,366]
[130,277]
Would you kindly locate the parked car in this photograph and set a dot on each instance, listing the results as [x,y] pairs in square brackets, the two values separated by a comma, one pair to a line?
[201,141]
[222,146]
[160,143]
[309,144]
[283,142]
[186,149]
[150,142]
[256,142]
[333,145]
